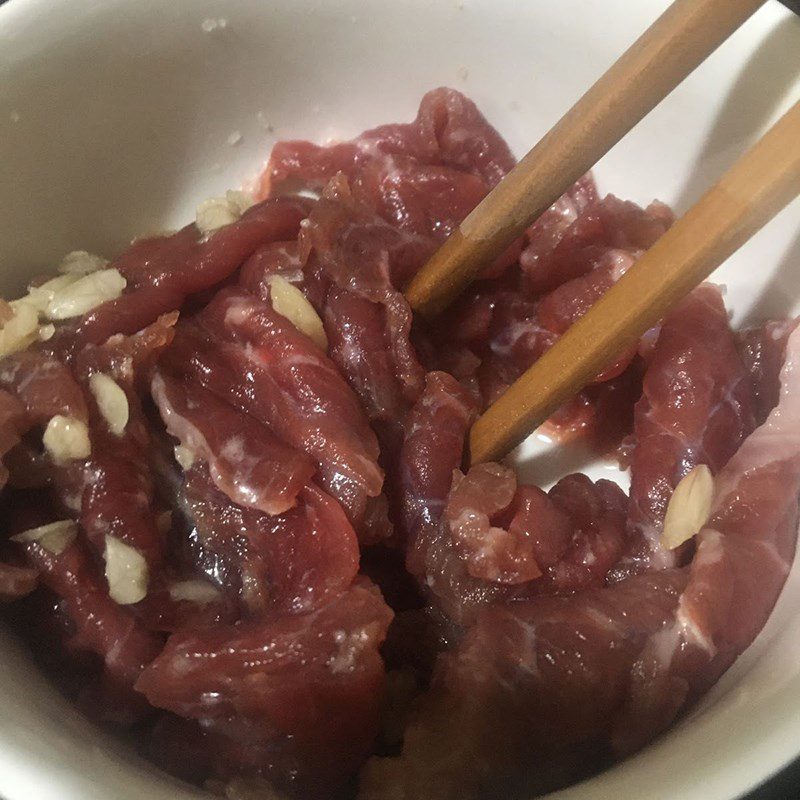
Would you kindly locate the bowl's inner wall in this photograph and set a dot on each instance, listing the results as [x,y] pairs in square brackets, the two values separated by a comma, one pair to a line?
[115,120]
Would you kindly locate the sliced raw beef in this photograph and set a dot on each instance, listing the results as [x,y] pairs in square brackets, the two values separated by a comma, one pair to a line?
[290,562]
[245,459]
[301,693]
[697,407]
[543,691]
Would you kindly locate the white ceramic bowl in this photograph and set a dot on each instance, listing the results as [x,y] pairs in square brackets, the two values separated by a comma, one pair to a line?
[115,118]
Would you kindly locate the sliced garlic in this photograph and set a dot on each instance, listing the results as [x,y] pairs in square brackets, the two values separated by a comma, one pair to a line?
[126,572]
[46,332]
[66,438]
[184,456]
[111,400]
[689,507]
[213,214]
[291,303]
[21,330]
[200,592]
[216,212]
[239,201]
[86,293]
[79,262]
[55,537]
[41,296]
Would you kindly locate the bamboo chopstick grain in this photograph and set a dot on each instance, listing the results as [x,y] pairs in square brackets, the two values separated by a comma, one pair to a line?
[648,71]
[750,193]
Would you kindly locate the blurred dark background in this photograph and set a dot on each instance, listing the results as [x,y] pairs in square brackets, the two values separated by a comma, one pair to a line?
[786,785]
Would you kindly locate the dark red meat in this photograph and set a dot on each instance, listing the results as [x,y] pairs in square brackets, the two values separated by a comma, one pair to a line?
[278,258]
[432,450]
[697,407]
[762,350]
[44,386]
[539,636]
[356,261]
[291,562]
[526,683]
[116,486]
[448,131]
[498,541]
[101,626]
[163,271]
[245,459]
[251,356]
[565,241]
[309,685]
[559,683]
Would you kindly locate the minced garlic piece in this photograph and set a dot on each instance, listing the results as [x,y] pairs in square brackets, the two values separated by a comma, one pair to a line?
[216,212]
[41,296]
[111,400]
[20,330]
[291,303]
[86,293]
[689,507]
[55,537]
[126,572]
[184,456]
[79,262]
[66,438]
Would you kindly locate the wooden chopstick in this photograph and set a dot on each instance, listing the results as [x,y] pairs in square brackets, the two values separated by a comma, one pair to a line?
[656,63]
[750,193]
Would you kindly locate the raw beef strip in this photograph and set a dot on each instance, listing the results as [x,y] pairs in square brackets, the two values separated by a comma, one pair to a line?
[301,689]
[742,559]
[44,385]
[577,250]
[498,541]
[565,240]
[358,260]
[602,414]
[163,271]
[489,552]
[101,626]
[292,562]
[521,331]
[277,258]
[552,240]
[436,559]
[697,407]
[429,201]
[432,450]
[448,131]
[129,359]
[245,459]
[527,682]
[543,690]
[762,350]
[118,493]
[249,355]
[46,388]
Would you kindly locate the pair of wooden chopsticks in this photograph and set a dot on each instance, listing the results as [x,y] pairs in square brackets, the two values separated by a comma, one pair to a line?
[758,185]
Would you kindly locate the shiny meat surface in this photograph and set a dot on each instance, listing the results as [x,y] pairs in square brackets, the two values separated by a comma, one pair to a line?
[238,519]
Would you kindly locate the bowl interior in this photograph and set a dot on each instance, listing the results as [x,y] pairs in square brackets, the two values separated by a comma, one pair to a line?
[118,116]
